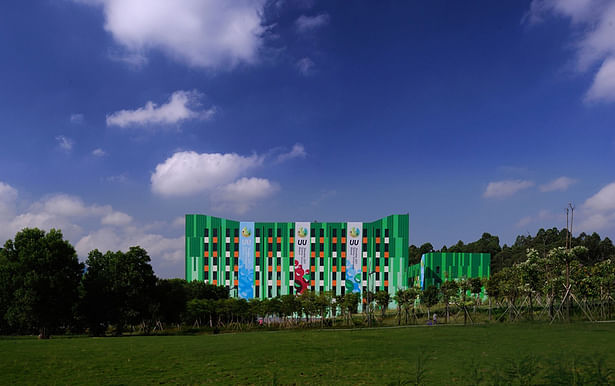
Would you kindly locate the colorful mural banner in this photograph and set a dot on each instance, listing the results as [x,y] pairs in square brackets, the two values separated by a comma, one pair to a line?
[354,248]
[302,256]
[422,274]
[246,260]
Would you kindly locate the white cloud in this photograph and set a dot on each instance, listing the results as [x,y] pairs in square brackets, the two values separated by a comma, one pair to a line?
[99,152]
[116,218]
[90,226]
[207,34]
[603,87]
[65,143]
[544,218]
[561,184]
[242,194]
[178,109]
[187,173]
[498,189]
[305,66]
[76,118]
[309,23]
[598,211]
[298,151]
[594,22]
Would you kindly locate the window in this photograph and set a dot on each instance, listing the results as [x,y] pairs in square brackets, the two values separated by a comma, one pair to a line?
[322,232]
[236,232]
[228,275]
[215,262]
[206,245]
[364,232]
[257,232]
[334,261]
[270,261]
[386,276]
[343,247]
[257,260]
[364,247]
[313,246]
[290,290]
[322,289]
[215,232]
[256,290]
[291,232]
[334,247]
[269,275]
[278,261]
[279,232]
[270,232]
[292,247]
[278,247]
[270,247]
[228,232]
[343,289]
[365,261]
[322,276]
[378,232]
[343,276]
[386,232]
[278,289]
[386,247]
[343,232]
[228,246]
[364,275]
[206,231]
[438,269]
[322,247]
[334,232]
[269,291]
[312,262]
[206,275]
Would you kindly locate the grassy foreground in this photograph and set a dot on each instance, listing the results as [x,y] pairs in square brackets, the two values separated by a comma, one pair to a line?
[507,354]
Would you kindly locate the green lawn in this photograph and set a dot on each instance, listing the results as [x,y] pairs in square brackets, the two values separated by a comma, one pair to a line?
[449,354]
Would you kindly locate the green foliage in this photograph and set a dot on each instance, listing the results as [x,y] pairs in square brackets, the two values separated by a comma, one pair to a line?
[39,283]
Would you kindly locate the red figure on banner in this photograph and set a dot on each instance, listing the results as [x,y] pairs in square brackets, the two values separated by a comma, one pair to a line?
[299,279]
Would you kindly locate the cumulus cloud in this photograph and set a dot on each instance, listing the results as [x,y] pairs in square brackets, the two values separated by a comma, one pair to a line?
[65,143]
[594,22]
[99,152]
[206,34]
[309,23]
[242,194]
[187,172]
[88,227]
[561,184]
[598,211]
[180,107]
[298,151]
[500,189]
[304,66]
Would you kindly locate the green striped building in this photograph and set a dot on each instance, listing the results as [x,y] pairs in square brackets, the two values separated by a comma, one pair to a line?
[268,259]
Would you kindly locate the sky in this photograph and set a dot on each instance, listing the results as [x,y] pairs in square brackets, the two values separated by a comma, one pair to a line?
[118,117]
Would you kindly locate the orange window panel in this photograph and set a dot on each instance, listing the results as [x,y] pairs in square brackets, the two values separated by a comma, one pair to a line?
[270,269]
[269,254]
[206,268]
[334,268]
[292,254]
[386,254]
[364,268]
[292,239]
[206,254]
[377,268]
[215,253]
[322,254]
[377,240]
[334,283]
[215,240]
[270,239]
[365,240]
[235,282]
[386,283]
[313,254]
[321,240]
[313,269]
[343,240]
[278,282]
[364,300]
[343,254]
[312,283]
[236,268]
[236,254]
[343,268]
[214,282]
[278,240]
[257,253]
[279,268]
[257,282]
[236,240]
[334,240]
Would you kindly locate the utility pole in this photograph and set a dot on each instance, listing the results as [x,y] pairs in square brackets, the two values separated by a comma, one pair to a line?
[567,230]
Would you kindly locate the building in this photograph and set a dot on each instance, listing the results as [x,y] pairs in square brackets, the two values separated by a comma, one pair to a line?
[268,259]
[437,267]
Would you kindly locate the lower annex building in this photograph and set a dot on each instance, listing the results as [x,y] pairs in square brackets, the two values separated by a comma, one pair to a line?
[269,259]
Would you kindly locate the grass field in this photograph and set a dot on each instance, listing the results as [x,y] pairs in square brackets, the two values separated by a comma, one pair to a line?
[501,353]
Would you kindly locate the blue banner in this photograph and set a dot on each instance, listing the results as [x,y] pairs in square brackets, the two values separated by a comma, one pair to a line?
[246,260]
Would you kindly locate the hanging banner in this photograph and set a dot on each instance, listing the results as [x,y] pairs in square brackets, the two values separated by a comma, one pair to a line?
[354,248]
[302,256]
[422,272]
[246,260]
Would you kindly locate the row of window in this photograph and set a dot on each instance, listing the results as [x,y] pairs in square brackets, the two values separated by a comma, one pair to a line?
[291,232]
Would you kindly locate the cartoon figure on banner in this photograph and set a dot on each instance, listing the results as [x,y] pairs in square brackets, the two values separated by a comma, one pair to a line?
[301,283]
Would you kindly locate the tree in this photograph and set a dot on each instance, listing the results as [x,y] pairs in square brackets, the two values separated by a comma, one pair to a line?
[117,290]
[383,298]
[449,290]
[171,296]
[40,279]
[430,298]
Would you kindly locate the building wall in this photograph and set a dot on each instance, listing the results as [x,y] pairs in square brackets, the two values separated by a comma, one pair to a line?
[212,256]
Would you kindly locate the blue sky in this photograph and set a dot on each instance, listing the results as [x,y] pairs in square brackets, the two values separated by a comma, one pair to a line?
[118,117]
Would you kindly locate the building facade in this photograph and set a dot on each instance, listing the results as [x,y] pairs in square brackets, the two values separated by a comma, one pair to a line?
[269,259]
